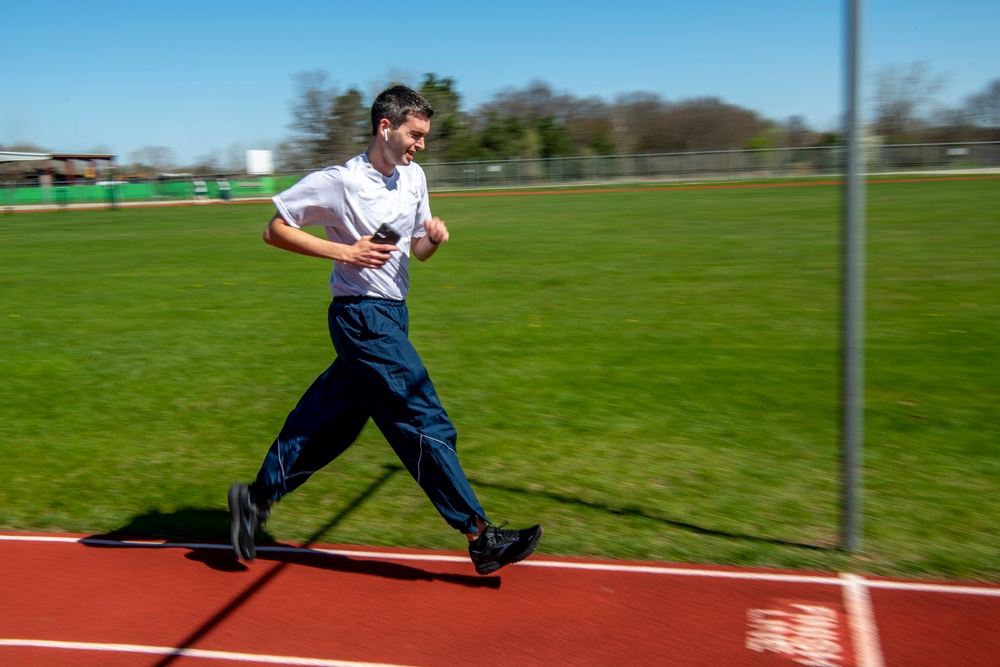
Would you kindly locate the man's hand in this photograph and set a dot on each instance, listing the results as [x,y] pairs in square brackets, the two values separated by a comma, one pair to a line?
[426,245]
[367,255]
[437,231]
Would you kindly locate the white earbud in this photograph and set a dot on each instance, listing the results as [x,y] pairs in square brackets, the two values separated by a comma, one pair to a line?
[385,133]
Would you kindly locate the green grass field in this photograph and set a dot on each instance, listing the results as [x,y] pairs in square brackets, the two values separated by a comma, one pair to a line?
[651,374]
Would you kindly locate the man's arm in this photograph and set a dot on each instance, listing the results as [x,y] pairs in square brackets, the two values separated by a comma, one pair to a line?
[363,254]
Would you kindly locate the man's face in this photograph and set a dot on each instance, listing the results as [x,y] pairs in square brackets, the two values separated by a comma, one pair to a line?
[408,138]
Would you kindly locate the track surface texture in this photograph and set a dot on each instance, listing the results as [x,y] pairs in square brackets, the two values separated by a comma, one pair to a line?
[82,601]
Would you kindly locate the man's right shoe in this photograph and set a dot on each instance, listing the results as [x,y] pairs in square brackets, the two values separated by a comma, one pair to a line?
[246,517]
[497,547]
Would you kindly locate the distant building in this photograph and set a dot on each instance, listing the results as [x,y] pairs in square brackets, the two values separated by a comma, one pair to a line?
[49,167]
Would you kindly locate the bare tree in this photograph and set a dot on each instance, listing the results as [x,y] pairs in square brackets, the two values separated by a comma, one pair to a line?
[903,94]
[310,117]
[153,158]
[330,127]
[590,125]
[235,157]
[708,123]
[797,133]
[536,101]
[639,123]
[207,163]
[984,108]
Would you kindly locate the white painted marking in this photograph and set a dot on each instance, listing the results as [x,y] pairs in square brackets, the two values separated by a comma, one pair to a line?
[933,588]
[687,572]
[190,653]
[861,619]
[807,634]
[831,579]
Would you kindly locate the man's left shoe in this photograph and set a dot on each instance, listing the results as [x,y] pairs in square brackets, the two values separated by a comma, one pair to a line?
[497,547]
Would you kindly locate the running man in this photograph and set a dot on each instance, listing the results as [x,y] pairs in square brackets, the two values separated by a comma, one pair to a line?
[377,373]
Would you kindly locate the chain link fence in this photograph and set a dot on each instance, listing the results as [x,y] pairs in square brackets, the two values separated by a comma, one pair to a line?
[734,165]
[827,161]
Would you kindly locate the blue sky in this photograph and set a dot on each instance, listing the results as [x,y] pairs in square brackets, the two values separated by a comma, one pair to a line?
[218,78]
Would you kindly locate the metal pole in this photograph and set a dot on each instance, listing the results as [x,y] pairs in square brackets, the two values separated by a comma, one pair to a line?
[853,292]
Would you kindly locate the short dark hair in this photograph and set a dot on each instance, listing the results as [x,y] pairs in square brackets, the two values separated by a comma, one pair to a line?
[396,103]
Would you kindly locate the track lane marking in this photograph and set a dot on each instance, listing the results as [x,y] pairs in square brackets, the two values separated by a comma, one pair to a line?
[824,579]
[861,620]
[189,653]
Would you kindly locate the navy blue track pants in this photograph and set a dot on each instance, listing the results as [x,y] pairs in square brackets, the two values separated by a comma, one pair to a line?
[379,375]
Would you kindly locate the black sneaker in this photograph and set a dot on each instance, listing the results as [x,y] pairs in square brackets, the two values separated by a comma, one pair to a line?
[246,517]
[497,547]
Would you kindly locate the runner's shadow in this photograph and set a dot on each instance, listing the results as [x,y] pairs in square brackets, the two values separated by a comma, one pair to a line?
[181,528]
[373,566]
[632,511]
[220,557]
[187,523]
[205,533]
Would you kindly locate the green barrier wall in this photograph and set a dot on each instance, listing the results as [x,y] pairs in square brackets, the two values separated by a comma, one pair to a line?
[64,195]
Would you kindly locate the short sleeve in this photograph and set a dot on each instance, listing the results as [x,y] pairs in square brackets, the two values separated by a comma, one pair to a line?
[317,199]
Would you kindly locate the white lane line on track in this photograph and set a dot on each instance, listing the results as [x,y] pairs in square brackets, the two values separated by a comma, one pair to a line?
[831,579]
[861,619]
[189,653]
[933,588]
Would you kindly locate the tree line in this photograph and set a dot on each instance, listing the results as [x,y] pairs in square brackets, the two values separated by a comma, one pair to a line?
[329,125]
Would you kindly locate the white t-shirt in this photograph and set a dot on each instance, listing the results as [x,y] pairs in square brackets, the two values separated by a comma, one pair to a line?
[353,201]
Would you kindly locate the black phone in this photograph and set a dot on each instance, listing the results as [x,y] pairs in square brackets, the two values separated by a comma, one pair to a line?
[385,235]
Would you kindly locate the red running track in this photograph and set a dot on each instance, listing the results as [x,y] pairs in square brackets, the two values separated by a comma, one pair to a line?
[71,600]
